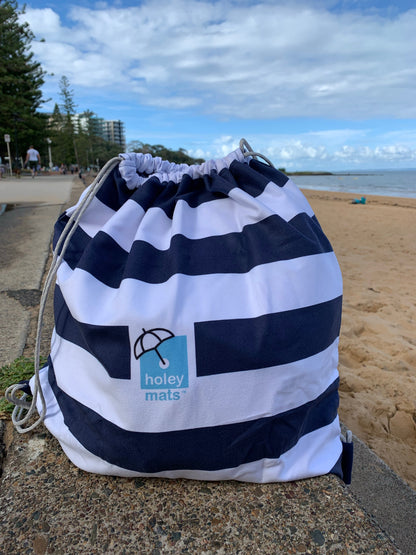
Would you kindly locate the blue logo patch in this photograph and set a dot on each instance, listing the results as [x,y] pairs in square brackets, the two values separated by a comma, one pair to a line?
[163,364]
[165,367]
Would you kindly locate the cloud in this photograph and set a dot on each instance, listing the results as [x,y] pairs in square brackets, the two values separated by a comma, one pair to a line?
[44,23]
[237,59]
[313,152]
[190,72]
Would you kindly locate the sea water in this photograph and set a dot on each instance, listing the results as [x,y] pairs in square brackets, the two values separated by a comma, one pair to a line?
[386,183]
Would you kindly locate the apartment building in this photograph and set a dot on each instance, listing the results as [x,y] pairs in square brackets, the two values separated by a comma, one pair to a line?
[114,132]
[110,130]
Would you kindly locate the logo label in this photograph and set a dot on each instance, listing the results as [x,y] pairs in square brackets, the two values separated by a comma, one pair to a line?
[163,364]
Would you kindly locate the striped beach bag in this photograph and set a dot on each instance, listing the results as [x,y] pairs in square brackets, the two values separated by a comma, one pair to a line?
[197,314]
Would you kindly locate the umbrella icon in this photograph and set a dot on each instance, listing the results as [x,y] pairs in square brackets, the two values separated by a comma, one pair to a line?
[150,340]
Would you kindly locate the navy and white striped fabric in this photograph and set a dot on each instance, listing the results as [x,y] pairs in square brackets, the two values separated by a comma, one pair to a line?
[197,315]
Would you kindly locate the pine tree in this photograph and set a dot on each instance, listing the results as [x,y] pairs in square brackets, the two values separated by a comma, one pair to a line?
[57,137]
[21,79]
[76,138]
[95,149]
[68,112]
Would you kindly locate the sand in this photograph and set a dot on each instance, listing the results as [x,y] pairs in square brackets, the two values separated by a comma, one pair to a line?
[375,245]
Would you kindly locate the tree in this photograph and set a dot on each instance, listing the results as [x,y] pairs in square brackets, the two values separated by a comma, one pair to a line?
[76,138]
[88,138]
[21,79]
[62,152]
[91,145]
[67,96]
[179,156]
[68,120]
[103,150]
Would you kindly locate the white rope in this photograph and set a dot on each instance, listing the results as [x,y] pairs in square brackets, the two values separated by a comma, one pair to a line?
[347,438]
[248,151]
[18,417]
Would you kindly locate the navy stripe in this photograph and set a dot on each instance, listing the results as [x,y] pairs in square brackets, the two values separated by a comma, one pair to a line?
[154,193]
[114,191]
[271,174]
[76,247]
[209,448]
[224,346]
[108,344]
[269,240]
[59,227]
[252,179]
[192,191]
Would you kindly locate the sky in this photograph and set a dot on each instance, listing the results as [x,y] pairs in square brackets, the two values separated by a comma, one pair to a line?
[313,85]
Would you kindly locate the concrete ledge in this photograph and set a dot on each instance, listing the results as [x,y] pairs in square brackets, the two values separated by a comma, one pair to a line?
[385,496]
[50,506]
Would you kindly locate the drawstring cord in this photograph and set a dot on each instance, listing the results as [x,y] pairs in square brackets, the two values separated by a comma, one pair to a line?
[248,151]
[19,419]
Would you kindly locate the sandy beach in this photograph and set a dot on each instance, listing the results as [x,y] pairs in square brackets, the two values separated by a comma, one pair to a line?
[375,245]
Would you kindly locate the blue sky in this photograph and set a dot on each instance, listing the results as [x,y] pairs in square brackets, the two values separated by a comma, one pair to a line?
[313,85]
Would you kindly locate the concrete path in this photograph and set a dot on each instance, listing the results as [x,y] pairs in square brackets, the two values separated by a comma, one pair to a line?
[25,235]
[49,506]
[41,189]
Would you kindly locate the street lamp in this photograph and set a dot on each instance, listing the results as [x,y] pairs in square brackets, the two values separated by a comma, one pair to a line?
[17,161]
[49,152]
[7,140]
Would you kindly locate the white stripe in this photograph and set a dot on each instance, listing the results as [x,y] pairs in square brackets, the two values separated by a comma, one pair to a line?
[287,201]
[217,217]
[209,401]
[268,288]
[121,225]
[124,224]
[84,193]
[315,454]
[95,217]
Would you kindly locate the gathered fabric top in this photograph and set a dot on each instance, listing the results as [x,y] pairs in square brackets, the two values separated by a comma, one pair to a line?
[136,168]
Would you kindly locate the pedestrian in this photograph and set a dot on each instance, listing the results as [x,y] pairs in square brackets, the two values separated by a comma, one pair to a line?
[33,159]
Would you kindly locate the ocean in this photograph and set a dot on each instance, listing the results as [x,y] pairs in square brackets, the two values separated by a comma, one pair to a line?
[389,183]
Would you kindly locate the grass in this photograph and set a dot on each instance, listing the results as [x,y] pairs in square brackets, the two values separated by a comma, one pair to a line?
[22,368]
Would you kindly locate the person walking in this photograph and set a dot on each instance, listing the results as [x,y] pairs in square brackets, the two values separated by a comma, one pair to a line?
[33,159]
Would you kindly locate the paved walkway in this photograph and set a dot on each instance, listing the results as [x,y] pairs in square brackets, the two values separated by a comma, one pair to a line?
[25,233]
[49,506]
[54,189]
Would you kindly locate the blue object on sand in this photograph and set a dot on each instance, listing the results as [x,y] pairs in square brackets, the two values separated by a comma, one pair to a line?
[362,200]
